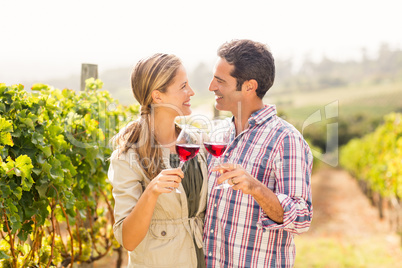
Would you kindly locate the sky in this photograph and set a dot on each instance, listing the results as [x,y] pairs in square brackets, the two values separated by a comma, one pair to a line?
[45,39]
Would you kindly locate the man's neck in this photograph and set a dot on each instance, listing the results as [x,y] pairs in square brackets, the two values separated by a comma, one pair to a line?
[243,113]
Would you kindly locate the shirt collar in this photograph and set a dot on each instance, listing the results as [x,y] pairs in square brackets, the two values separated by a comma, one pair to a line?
[262,115]
[258,117]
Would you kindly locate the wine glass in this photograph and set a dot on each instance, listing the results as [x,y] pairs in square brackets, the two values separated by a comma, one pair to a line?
[187,145]
[217,144]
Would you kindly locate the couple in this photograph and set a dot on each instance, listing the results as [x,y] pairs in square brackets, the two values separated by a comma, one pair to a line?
[267,162]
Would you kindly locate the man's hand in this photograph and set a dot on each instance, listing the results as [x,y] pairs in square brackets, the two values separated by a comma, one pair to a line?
[237,176]
[241,180]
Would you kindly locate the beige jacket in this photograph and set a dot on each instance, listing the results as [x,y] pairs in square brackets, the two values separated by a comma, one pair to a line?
[170,238]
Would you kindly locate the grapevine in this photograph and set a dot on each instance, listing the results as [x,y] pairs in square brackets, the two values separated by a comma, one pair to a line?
[377,157]
[55,201]
[376,161]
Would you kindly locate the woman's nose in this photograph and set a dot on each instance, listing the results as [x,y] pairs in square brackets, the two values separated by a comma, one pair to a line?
[192,93]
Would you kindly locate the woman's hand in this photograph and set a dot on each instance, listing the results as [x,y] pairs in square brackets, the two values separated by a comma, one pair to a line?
[136,224]
[166,181]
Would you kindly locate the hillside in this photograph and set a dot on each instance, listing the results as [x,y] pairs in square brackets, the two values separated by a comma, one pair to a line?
[375,99]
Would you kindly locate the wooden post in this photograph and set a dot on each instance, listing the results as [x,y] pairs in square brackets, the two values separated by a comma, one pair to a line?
[88,71]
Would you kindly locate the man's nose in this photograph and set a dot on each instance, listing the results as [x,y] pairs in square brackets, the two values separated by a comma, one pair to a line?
[212,86]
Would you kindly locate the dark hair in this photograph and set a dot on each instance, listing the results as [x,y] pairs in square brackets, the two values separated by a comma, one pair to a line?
[251,60]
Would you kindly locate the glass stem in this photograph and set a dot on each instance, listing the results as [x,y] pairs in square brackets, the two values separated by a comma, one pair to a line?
[181,164]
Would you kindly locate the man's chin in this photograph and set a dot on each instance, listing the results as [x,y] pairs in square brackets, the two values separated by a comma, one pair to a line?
[221,107]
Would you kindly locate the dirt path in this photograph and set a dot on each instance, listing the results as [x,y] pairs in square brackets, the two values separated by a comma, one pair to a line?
[340,208]
[342,213]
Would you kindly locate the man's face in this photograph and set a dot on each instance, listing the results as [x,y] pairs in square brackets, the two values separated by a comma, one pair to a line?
[224,87]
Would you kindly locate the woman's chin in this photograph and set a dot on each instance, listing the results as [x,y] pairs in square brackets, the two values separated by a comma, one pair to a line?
[186,111]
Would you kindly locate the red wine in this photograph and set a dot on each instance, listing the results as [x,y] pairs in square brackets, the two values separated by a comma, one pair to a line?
[215,148]
[187,151]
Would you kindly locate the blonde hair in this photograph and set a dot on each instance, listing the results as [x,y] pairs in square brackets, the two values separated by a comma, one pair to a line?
[154,73]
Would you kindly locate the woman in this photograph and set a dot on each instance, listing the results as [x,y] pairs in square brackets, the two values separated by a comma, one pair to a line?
[158,227]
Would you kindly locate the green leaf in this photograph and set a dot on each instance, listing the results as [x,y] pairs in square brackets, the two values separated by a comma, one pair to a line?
[9,166]
[17,192]
[28,122]
[24,231]
[46,168]
[37,138]
[11,207]
[2,107]
[42,189]
[6,139]
[26,203]
[37,171]
[4,255]
[17,133]
[5,125]
[93,84]
[56,172]
[45,149]
[3,87]
[24,164]
[40,158]
[6,190]
[39,87]
[66,164]
[43,212]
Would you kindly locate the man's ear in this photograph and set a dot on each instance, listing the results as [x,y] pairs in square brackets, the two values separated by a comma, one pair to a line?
[156,96]
[250,85]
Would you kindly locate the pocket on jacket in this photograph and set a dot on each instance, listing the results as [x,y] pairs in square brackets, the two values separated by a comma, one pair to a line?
[163,246]
[163,231]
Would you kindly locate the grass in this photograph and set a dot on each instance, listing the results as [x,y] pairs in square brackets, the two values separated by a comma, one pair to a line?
[332,252]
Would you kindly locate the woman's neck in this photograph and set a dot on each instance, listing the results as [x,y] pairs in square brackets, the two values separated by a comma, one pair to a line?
[164,129]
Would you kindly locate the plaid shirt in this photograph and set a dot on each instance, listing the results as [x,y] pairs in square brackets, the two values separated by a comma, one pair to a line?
[237,232]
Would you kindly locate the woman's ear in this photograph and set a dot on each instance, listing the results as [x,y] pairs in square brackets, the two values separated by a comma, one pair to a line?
[156,96]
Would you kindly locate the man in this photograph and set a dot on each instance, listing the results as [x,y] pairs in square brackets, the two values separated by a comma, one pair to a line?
[267,162]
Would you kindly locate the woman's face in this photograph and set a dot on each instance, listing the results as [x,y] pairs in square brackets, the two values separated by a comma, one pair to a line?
[176,99]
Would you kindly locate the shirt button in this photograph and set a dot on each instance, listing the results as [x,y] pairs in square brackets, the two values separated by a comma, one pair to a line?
[163,233]
[212,231]
[215,205]
[210,254]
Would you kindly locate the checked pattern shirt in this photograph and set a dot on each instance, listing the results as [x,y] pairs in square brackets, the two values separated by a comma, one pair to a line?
[237,232]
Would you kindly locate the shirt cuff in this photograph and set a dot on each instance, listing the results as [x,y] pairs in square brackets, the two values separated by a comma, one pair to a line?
[289,216]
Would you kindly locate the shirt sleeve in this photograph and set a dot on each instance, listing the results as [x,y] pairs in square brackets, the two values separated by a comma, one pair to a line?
[127,188]
[292,169]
